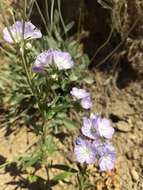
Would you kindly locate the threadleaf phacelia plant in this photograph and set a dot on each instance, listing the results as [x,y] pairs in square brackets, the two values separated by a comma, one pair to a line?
[47,74]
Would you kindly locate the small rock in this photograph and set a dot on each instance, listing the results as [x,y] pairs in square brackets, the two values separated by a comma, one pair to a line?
[121,111]
[124,126]
[129,155]
[135,175]
[130,121]
[136,154]
[133,137]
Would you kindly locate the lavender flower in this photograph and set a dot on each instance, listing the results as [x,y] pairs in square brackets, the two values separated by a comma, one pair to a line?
[109,148]
[83,95]
[85,153]
[103,147]
[79,93]
[96,126]
[62,60]
[21,30]
[89,128]
[107,154]
[86,102]
[43,60]
[107,162]
[104,128]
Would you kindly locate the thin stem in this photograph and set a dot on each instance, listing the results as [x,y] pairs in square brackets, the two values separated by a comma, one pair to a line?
[27,73]
[52,13]
[80,18]
[104,44]
[31,7]
[47,172]
[47,10]
[13,17]
[44,137]
[6,21]
[25,7]
[60,14]
[44,133]
[24,18]
[6,52]
[30,82]
[42,17]
[121,43]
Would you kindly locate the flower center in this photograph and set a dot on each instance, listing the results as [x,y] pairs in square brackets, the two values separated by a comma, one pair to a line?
[93,130]
[86,152]
[17,36]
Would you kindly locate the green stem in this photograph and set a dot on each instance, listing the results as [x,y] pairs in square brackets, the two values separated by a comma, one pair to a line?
[79,26]
[51,15]
[25,7]
[48,176]
[47,10]
[31,7]
[34,92]
[60,14]
[44,137]
[32,88]
[26,72]
[44,132]
[6,52]
[82,176]
[42,17]
[6,21]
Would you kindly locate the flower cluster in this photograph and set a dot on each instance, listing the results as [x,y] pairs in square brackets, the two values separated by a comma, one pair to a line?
[62,60]
[94,143]
[81,94]
[21,30]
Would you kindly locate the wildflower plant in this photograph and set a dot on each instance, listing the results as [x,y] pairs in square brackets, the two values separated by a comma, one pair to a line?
[42,84]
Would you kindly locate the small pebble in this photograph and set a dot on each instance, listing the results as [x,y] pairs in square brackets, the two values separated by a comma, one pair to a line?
[124,126]
[136,154]
[135,175]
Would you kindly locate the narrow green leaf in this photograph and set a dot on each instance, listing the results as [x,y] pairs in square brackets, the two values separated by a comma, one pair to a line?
[69,26]
[50,145]
[64,168]
[89,80]
[69,124]
[106,4]
[62,176]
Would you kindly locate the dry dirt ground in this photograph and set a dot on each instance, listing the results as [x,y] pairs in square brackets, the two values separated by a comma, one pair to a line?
[124,107]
